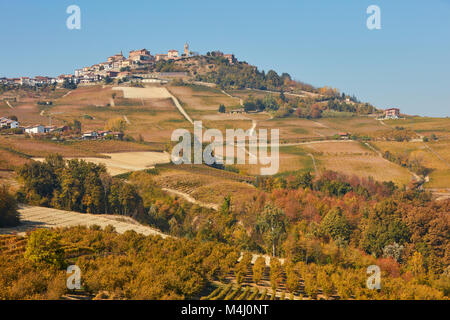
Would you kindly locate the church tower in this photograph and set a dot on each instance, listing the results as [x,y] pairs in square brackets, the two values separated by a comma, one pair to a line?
[186,49]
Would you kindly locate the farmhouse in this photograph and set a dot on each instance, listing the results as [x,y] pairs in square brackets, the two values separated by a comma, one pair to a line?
[36,129]
[8,123]
[344,135]
[392,113]
[90,135]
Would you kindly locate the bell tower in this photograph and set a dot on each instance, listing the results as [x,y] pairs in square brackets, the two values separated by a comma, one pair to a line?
[186,49]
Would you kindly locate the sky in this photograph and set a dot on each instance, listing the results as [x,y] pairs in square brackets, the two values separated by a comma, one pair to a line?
[322,42]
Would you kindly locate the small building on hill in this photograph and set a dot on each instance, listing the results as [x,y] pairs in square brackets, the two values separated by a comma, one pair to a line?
[36,129]
[8,123]
[392,113]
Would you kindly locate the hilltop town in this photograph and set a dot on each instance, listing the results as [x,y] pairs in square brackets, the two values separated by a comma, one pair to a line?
[137,66]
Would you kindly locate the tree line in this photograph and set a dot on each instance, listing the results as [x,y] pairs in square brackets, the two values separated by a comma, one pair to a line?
[76,185]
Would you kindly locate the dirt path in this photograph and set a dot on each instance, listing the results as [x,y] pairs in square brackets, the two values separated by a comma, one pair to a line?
[9,104]
[241,101]
[66,94]
[314,163]
[126,119]
[190,199]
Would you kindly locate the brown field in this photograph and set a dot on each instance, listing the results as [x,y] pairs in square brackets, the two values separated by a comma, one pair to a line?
[355,125]
[366,166]
[339,147]
[16,150]
[203,183]
[353,158]
[123,162]
[424,126]
[438,161]
[297,130]
[201,100]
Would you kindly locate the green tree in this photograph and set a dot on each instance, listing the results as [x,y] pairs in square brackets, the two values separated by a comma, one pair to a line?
[44,248]
[222,108]
[276,273]
[258,269]
[9,216]
[271,223]
[335,225]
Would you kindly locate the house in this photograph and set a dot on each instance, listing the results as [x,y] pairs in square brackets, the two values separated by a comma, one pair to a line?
[237,111]
[117,135]
[392,113]
[161,56]
[116,58]
[26,81]
[90,135]
[103,134]
[172,54]
[36,129]
[140,56]
[344,135]
[48,129]
[231,58]
[8,123]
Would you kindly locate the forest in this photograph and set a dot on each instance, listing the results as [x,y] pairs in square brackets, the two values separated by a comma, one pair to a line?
[328,228]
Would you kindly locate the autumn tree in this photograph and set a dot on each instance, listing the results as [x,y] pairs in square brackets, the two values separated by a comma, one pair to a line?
[9,216]
[44,248]
[271,223]
[258,269]
[276,273]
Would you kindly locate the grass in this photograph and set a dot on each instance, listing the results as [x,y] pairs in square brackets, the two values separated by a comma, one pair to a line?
[440,177]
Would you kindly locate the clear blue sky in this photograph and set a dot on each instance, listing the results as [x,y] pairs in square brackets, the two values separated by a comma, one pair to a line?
[322,42]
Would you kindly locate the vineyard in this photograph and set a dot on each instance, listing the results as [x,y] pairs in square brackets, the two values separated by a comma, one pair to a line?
[12,246]
[244,283]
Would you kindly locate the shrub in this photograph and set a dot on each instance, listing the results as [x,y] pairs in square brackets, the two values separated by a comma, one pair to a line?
[9,217]
[44,248]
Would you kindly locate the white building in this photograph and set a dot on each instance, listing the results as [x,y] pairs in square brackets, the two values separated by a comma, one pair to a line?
[172,54]
[36,129]
[8,123]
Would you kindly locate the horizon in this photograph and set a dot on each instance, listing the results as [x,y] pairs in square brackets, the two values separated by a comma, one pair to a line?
[404,65]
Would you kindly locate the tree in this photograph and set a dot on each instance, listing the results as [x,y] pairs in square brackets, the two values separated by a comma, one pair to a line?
[108,80]
[271,222]
[44,248]
[276,273]
[9,216]
[335,225]
[76,126]
[222,108]
[69,84]
[384,226]
[258,269]
[292,279]
[116,124]
[282,96]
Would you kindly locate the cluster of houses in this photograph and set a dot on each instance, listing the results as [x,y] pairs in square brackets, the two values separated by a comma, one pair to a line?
[39,129]
[118,66]
[6,123]
[95,135]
